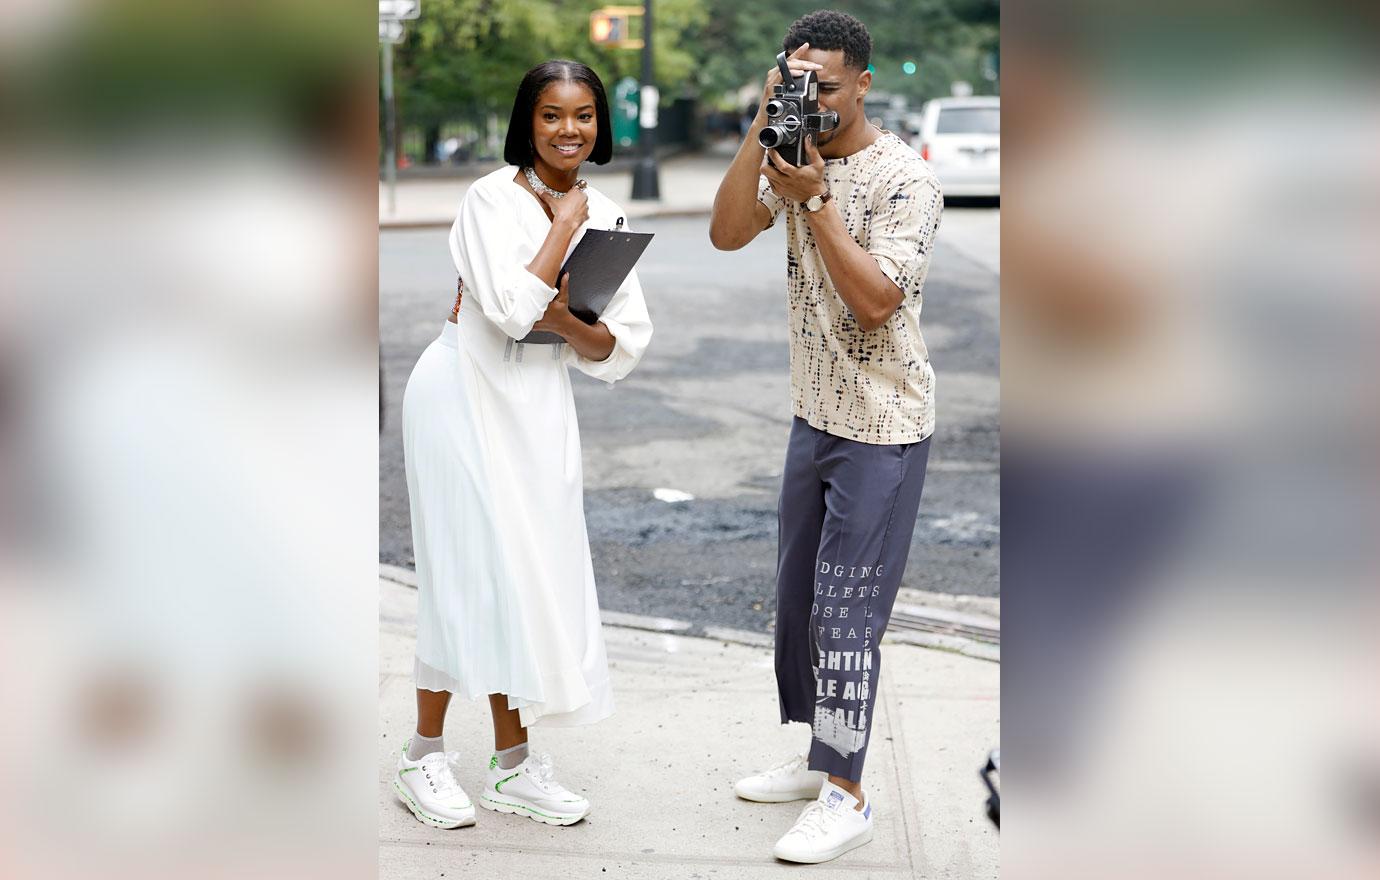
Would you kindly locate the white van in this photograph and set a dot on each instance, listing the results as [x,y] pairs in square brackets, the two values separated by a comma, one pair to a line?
[960,138]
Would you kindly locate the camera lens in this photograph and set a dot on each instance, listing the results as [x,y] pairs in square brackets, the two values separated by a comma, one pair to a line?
[775,108]
[771,136]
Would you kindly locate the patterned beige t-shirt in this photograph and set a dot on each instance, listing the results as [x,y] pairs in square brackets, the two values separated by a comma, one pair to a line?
[877,386]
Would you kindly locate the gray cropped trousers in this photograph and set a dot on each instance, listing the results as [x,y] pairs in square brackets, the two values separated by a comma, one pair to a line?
[846,515]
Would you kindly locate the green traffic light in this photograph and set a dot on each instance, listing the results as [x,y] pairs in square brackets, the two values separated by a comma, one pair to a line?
[908,68]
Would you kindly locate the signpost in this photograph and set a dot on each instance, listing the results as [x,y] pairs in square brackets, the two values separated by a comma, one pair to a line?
[625,112]
[400,10]
[645,184]
[392,14]
[991,69]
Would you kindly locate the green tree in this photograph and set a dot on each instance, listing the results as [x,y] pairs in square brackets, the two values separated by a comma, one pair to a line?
[947,40]
[463,59]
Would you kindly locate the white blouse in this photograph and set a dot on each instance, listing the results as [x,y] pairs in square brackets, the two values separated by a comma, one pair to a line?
[500,228]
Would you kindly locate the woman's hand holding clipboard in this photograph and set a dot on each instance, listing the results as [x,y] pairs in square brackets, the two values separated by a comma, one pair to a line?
[593,273]
[556,310]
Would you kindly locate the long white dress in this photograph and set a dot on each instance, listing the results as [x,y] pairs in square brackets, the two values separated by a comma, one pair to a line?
[507,599]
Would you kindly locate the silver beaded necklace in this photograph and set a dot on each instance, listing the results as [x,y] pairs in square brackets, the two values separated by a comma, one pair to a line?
[540,187]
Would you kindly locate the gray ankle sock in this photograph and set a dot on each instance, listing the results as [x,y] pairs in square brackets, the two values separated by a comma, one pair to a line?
[510,758]
[421,746]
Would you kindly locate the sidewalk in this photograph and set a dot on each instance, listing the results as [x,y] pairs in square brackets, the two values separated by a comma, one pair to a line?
[693,714]
[687,185]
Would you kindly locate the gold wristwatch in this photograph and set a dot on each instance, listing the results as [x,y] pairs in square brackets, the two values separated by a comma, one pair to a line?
[815,203]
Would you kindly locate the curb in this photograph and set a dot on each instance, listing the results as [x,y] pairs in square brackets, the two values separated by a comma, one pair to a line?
[943,642]
[398,575]
[669,626]
[446,223]
[644,622]
[739,636]
[415,224]
[625,163]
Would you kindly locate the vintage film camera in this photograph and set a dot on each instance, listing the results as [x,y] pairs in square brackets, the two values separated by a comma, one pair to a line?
[792,113]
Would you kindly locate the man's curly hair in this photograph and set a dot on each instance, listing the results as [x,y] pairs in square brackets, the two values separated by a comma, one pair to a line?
[829,30]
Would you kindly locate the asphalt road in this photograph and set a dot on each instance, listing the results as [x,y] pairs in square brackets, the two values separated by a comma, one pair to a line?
[707,412]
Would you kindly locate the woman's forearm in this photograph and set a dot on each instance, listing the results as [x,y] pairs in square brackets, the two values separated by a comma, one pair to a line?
[547,263]
[592,341]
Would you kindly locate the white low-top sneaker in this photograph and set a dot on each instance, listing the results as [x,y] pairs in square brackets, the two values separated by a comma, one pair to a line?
[828,828]
[791,780]
[530,789]
[429,789]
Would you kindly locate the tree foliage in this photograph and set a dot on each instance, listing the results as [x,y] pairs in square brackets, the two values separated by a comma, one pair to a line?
[463,58]
[947,40]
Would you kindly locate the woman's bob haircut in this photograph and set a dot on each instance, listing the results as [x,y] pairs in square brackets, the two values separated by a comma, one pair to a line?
[517,150]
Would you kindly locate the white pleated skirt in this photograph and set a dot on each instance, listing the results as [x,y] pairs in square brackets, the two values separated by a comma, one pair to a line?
[507,600]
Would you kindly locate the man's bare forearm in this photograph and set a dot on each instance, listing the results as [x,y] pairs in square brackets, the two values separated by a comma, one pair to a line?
[736,220]
[860,282]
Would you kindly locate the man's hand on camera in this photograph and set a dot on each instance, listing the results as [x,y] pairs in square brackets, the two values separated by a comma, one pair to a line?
[797,184]
[797,66]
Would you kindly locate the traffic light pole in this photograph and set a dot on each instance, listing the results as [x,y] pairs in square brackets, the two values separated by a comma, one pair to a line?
[645,185]
[390,159]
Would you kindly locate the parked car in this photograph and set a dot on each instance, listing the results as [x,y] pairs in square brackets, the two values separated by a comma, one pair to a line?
[961,140]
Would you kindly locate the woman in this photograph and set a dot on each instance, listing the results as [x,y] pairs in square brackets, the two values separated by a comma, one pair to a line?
[507,605]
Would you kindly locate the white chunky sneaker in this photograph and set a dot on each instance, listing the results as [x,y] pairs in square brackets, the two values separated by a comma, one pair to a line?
[827,828]
[791,780]
[429,789]
[530,789]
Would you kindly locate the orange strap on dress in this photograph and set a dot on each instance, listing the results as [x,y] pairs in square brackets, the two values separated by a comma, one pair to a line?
[459,294]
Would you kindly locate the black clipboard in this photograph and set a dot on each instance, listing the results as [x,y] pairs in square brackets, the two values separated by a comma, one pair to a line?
[597,267]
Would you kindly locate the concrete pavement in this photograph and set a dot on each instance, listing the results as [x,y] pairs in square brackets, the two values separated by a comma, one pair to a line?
[693,714]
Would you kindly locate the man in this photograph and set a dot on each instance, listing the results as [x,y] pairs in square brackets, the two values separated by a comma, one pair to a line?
[861,217]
